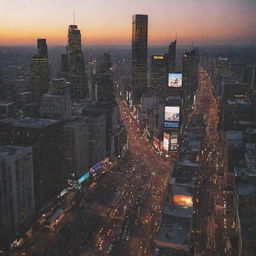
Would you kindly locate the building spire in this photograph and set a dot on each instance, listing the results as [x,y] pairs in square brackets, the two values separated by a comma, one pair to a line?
[74,17]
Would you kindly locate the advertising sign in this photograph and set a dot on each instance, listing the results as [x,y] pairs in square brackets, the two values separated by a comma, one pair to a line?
[174,141]
[172,116]
[174,80]
[166,141]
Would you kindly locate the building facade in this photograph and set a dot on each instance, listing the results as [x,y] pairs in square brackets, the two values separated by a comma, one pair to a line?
[139,53]
[45,136]
[76,69]
[16,191]
[76,134]
[158,76]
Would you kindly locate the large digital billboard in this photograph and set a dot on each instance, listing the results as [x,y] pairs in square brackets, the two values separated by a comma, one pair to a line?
[172,116]
[175,80]
[166,141]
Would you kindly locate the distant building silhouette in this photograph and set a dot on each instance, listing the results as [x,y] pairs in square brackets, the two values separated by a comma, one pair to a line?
[17,194]
[172,57]
[139,54]
[76,70]
[42,48]
[39,71]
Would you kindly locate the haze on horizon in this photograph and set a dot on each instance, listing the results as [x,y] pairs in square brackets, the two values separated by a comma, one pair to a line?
[108,22]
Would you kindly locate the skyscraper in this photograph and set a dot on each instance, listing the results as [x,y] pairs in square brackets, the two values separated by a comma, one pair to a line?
[139,54]
[76,70]
[39,75]
[17,193]
[45,136]
[158,76]
[104,87]
[42,50]
[190,70]
[172,57]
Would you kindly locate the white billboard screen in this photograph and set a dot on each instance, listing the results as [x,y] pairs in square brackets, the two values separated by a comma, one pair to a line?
[174,80]
[172,116]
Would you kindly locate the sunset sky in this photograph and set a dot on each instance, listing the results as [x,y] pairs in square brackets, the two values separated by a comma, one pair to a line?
[109,21]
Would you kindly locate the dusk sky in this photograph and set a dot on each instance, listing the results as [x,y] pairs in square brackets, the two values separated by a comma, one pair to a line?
[109,21]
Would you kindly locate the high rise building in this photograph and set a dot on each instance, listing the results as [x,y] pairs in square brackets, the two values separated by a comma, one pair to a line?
[76,69]
[39,76]
[56,105]
[76,147]
[104,90]
[64,63]
[172,57]
[158,76]
[46,138]
[107,62]
[40,71]
[42,48]
[17,205]
[139,54]
[97,137]
[190,71]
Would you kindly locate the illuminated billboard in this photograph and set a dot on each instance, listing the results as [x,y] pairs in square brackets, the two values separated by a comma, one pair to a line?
[174,141]
[172,116]
[166,141]
[183,200]
[174,80]
[158,57]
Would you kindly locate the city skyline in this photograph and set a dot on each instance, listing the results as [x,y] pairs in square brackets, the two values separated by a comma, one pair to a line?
[106,23]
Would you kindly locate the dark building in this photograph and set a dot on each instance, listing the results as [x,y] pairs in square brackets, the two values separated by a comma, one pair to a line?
[97,137]
[39,76]
[76,146]
[107,62]
[7,109]
[17,192]
[45,136]
[104,88]
[190,71]
[158,72]
[172,57]
[115,133]
[40,71]
[76,69]
[64,63]
[42,48]
[139,54]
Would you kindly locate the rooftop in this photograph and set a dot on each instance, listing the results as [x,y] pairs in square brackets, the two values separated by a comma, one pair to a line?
[247,224]
[248,190]
[244,173]
[174,231]
[28,122]
[185,190]
[11,150]
[184,174]
[6,103]
[178,210]
[235,137]
[77,123]
[187,163]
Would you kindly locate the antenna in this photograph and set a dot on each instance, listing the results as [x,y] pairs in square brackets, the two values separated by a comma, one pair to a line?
[74,17]
[176,36]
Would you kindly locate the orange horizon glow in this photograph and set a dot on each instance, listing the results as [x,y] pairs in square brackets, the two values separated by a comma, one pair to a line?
[110,22]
